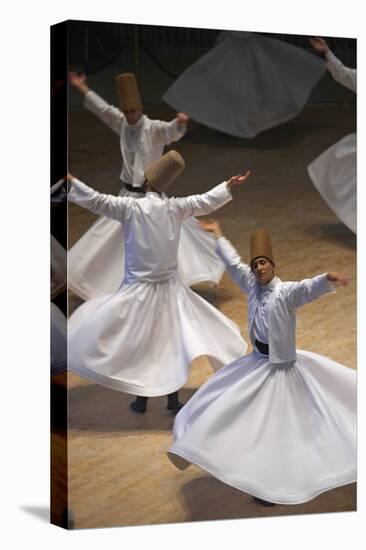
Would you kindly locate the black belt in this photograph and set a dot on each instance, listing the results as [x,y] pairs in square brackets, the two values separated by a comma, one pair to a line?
[262,348]
[134,189]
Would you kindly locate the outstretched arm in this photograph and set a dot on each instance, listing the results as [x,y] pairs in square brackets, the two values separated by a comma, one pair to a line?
[167,132]
[240,272]
[99,203]
[308,290]
[199,205]
[342,74]
[108,114]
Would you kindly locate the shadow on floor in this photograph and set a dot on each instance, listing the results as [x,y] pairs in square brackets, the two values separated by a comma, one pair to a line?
[207,498]
[96,408]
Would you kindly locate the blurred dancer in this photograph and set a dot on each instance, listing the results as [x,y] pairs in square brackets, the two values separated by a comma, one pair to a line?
[334,172]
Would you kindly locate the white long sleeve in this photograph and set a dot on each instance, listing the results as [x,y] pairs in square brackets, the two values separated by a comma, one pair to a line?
[240,272]
[110,115]
[342,74]
[199,205]
[307,290]
[167,132]
[109,206]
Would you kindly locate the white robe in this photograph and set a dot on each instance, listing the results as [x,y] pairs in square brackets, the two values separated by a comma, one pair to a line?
[246,84]
[142,339]
[334,172]
[96,260]
[283,432]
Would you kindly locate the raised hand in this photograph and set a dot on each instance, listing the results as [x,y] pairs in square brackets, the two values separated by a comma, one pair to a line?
[78,81]
[212,226]
[319,45]
[182,118]
[238,180]
[337,278]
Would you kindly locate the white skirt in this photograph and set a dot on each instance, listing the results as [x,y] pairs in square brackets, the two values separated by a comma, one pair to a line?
[96,261]
[246,84]
[143,339]
[334,174]
[284,434]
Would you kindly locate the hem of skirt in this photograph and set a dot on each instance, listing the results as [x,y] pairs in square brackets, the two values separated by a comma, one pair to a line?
[327,484]
[334,208]
[249,134]
[122,386]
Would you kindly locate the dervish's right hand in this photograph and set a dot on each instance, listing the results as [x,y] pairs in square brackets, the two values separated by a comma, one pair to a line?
[79,81]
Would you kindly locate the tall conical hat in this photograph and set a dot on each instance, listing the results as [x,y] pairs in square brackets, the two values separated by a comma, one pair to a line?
[161,173]
[261,246]
[128,92]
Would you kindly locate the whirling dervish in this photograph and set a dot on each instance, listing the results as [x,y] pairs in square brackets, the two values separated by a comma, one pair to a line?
[96,259]
[142,339]
[246,84]
[334,172]
[279,423]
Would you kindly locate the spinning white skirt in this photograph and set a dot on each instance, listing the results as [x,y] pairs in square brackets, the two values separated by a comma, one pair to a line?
[246,84]
[334,174]
[284,434]
[142,339]
[96,261]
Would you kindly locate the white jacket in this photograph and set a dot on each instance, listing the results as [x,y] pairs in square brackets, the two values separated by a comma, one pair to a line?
[153,137]
[285,299]
[151,225]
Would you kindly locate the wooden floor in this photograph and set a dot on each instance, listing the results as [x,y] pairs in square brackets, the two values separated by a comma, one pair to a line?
[119,473]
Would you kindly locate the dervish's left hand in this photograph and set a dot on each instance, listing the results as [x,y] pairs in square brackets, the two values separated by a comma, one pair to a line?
[319,45]
[238,180]
[337,278]
[182,118]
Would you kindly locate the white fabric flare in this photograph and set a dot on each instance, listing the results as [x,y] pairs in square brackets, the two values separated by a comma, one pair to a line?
[143,339]
[246,84]
[334,174]
[283,433]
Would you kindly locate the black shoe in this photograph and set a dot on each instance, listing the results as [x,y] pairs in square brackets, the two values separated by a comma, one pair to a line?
[263,502]
[174,404]
[139,405]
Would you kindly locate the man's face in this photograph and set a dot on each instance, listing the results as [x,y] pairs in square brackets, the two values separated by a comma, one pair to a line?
[132,116]
[263,270]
